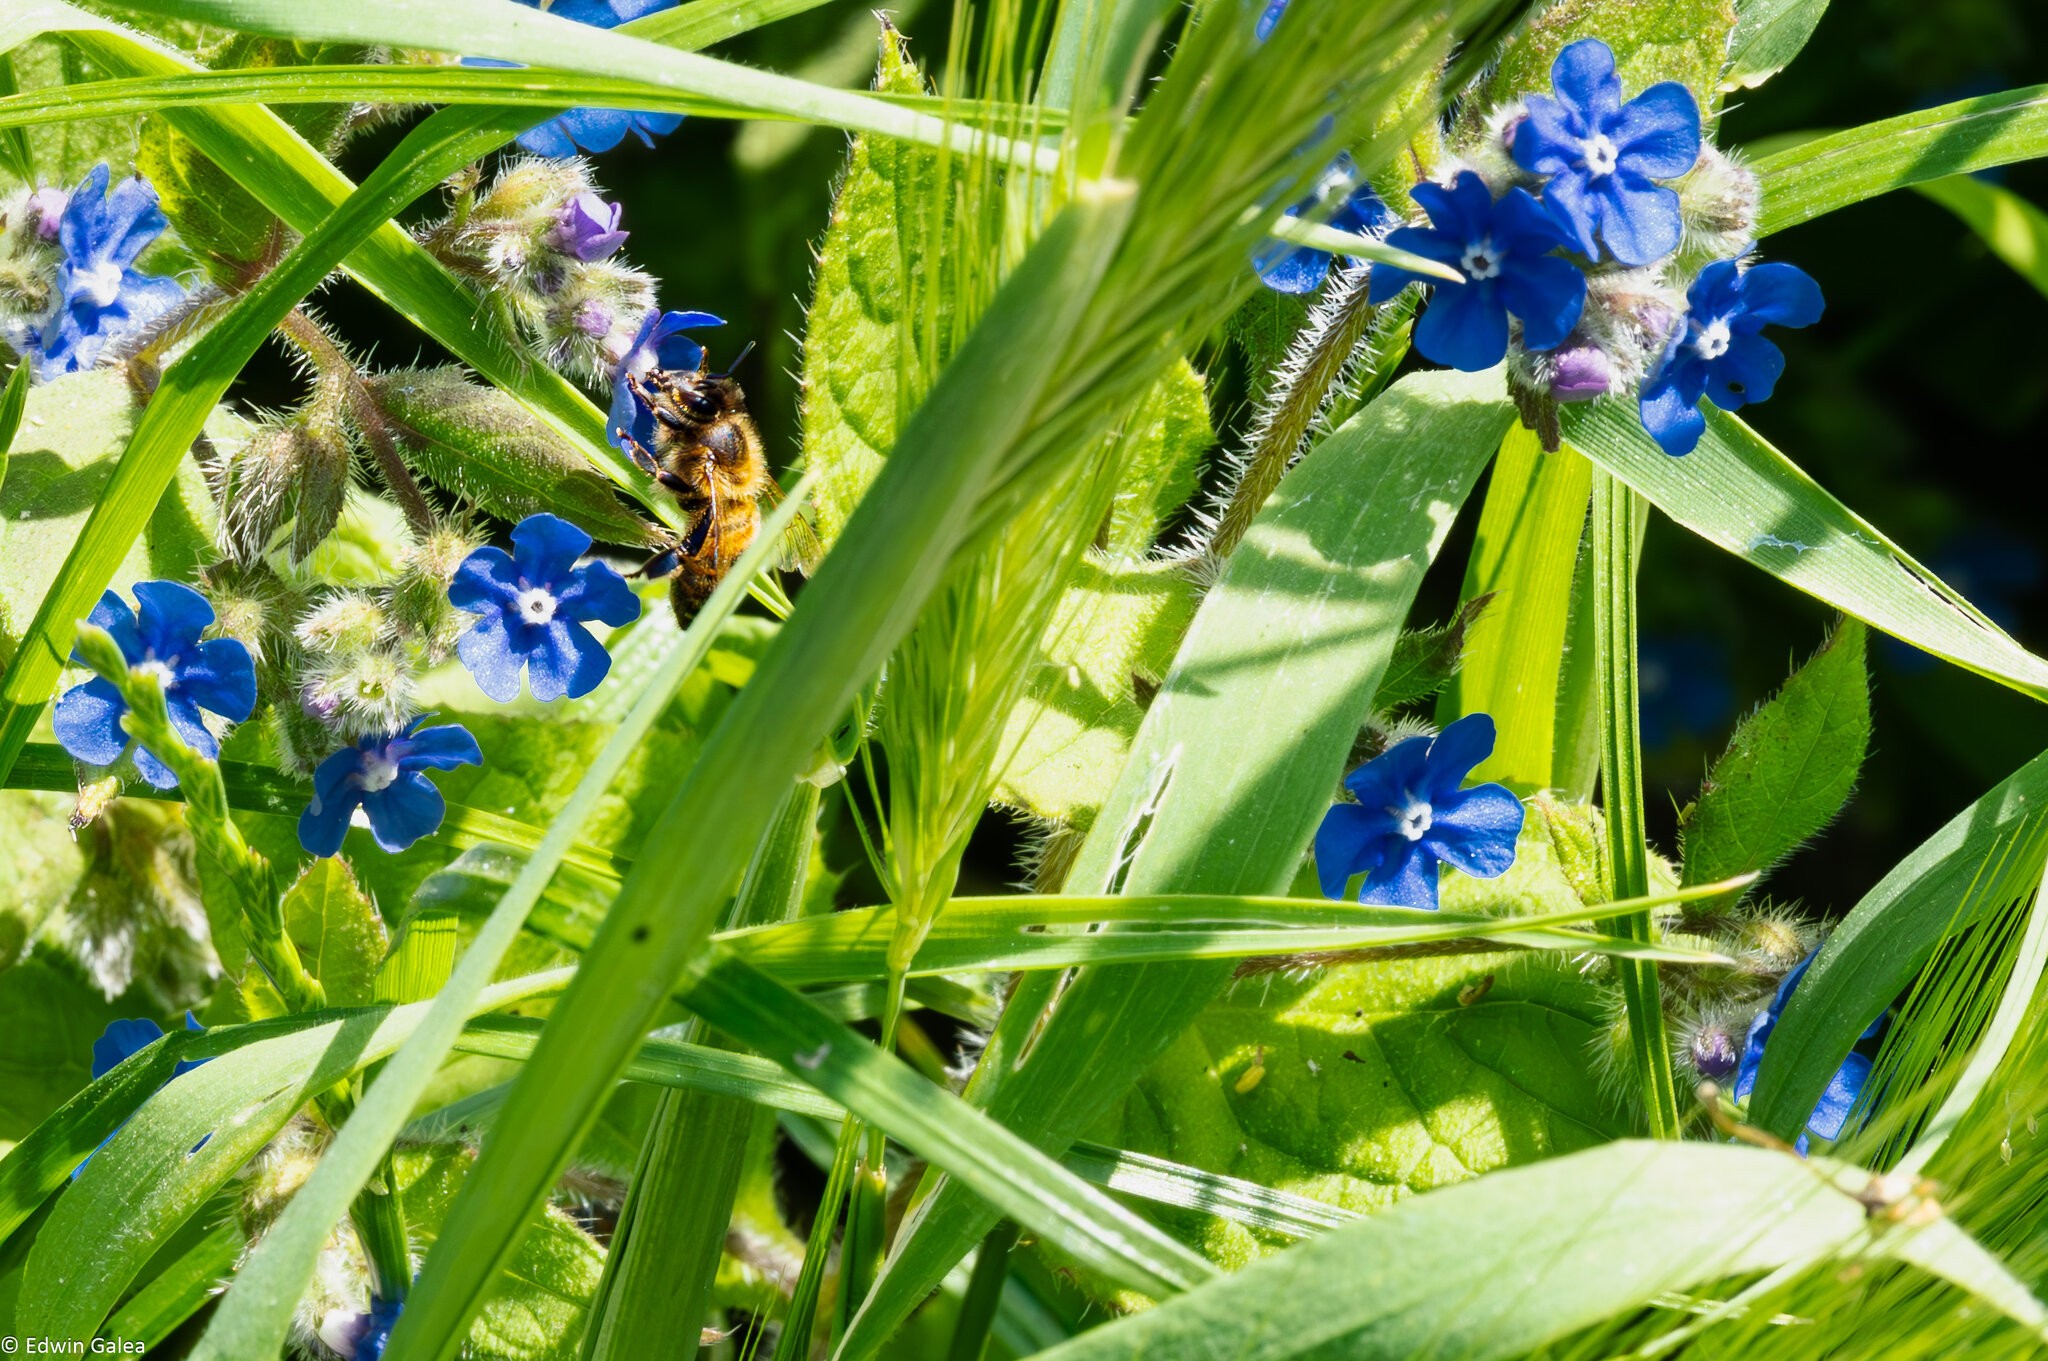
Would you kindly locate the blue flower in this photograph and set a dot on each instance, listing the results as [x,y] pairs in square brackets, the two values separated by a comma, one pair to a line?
[588,228]
[381,775]
[660,344]
[1412,814]
[1269,18]
[1288,268]
[1503,248]
[361,1337]
[1832,1112]
[101,296]
[592,130]
[1716,350]
[1603,157]
[535,602]
[122,1040]
[161,640]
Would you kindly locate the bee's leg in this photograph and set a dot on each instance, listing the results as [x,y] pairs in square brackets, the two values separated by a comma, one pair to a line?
[638,453]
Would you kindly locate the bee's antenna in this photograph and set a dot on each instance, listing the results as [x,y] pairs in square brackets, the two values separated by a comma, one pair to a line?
[736,360]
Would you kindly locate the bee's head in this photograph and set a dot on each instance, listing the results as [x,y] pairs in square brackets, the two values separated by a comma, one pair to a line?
[706,396]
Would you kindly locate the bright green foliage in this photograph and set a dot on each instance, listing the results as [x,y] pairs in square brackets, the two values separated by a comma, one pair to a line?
[495,455]
[537,1311]
[1113,638]
[1426,660]
[1768,34]
[64,151]
[51,1015]
[1161,463]
[224,225]
[1653,40]
[2015,229]
[861,339]
[1788,769]
[338,933]
[71,435]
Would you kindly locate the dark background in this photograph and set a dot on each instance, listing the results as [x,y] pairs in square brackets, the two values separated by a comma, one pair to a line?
[1917,400]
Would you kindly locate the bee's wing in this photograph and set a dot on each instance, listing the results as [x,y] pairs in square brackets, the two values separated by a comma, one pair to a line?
[801,550]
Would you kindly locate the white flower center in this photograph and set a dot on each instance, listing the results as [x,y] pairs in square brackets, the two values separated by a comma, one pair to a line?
[379,772]
[535,605]
[1601,154]
[1712,341]
[150,666]
[1415,819]
[1481,260]
[101,284]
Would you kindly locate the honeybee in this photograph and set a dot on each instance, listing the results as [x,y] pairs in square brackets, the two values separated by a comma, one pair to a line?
[708,454]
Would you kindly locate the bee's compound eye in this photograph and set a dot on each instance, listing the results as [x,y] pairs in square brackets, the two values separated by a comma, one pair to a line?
[700,406]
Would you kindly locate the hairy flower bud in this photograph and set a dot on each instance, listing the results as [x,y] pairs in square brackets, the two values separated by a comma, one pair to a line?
[1718,205]
[347,621]
[368,690]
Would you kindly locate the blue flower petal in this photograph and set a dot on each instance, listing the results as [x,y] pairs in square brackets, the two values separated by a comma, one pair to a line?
[550,139]
[545,548]
[1407,879]
[1547,141]
[1748,372]
[220,676]
[1348,841]
[486,582]
[571,663]
[1547,294]
[1779,294]
[1583,77]
[1475,830]
[1658,132]
[442,747]
[601,594]
[120,1041]
[1639,221]
[1394,776]
[113,614]
[88,722]
[1675,423]
[408,809]
[1287,268]
[187,723]
[1455,752]
[1268,19]
[1832,1112]
[170,615]
[1464,328]
[485,649]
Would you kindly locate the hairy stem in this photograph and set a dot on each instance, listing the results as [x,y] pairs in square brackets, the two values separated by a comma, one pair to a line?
[334,365]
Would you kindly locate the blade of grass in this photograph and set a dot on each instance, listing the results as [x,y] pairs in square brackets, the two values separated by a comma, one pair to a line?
[1819,176]
[536,38]
[1621,785]
[1744,497]
[1223,789]
[886,562]
[2014,229]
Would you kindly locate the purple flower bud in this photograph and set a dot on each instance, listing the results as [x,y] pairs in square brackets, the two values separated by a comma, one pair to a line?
[1579,373]
[595,318]
[46,210]
[1713,1051]
[588,228]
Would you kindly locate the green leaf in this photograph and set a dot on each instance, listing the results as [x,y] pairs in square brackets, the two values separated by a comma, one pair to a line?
[50,1015]
[1653,40]
[1826,173]
[1504,1265]
[487,449]
[1744,497]
[2015,229]
[1884,942]
[1223,789]
[1522,559]
[338,933]
[181,1290]
[189,1138]
[64,452]
[1162,465]
[1788,769]
[1365,1083]
[1111,641]
[1426,660]
[862,340]
[214,216]
[63,151]
[1768,34]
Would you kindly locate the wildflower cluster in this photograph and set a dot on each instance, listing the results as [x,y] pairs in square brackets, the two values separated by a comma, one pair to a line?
[542,241]
[1604,248]
[69,286]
